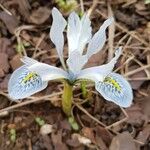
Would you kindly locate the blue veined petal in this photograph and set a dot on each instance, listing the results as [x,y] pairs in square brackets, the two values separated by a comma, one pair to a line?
[116,89]
[99,38]
[56,33]
[24,83]
[78,32]
[76,61]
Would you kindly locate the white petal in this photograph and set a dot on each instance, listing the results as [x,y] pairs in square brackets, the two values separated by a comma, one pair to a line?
[46,71]
[28,61]
[99,38]
[116,89]
[78,32]
[76,61]
[73,31]
[85,33]
[56,32]
[98,73]
[24,83]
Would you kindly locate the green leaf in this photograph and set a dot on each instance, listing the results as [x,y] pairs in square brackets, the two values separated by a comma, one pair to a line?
[12,135]
[39,121]
[73,123]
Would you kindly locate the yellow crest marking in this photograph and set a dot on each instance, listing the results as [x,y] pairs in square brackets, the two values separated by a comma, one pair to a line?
[29,76]
[113,82]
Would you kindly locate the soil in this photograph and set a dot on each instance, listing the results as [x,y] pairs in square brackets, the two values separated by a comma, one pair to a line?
[24,30]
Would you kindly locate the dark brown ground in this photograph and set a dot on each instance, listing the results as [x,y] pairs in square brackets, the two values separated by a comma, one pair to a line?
[26,31]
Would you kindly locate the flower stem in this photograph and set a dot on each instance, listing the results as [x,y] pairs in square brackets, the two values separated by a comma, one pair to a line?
[67,98]
[83,89]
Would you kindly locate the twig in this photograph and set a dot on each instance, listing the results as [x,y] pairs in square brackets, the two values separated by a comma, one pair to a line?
[29,102]
[126,62]
[89,115]
[120,121]
[126,30]
[8,12]
[82,6]
[17,34]
[38,44]
[94,4]
[137,70]
[111,35]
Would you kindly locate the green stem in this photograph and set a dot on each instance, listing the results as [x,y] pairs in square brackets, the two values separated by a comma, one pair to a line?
[83,89]
[67,98]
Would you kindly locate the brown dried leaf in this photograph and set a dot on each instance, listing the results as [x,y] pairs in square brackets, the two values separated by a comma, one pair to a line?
[144,134]
[136,115]
[47,142]
[10,21]
[40,15]
[88,132]
[73,142]
[43,45]
[64,124]
[4,83]
[24,7]
[2,74]
[57,141]
[5,47]
[115,2]
[101,143]
[123,141]
[136,84]
[15,62]
[126,19]
[96,59]
[142,10]
[4,65]
[104,134]
[3,101]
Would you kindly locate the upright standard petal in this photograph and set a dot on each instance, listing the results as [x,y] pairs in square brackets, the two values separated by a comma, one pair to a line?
[99,38]
[24,83]
[99,73]
[28,61]
[56,33]
[85,33]
[45,71]
[76,61]
[116,89]
[78,32]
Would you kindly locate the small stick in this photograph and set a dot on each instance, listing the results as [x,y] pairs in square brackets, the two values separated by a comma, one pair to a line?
[94,4]
[120,121]
[111,34]
[82,6]
[89,115]
[8,12]
[29,102]
[137,70]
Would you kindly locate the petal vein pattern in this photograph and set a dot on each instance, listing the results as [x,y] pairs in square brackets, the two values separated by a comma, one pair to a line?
[99,38]
[76,61]
[78,32]
[56,33]
[24,83]
[116,89]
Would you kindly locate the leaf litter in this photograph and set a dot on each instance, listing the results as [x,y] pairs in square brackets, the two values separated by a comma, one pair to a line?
[132,21]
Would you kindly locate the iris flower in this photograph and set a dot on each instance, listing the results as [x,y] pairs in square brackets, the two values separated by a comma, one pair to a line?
[33,76]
